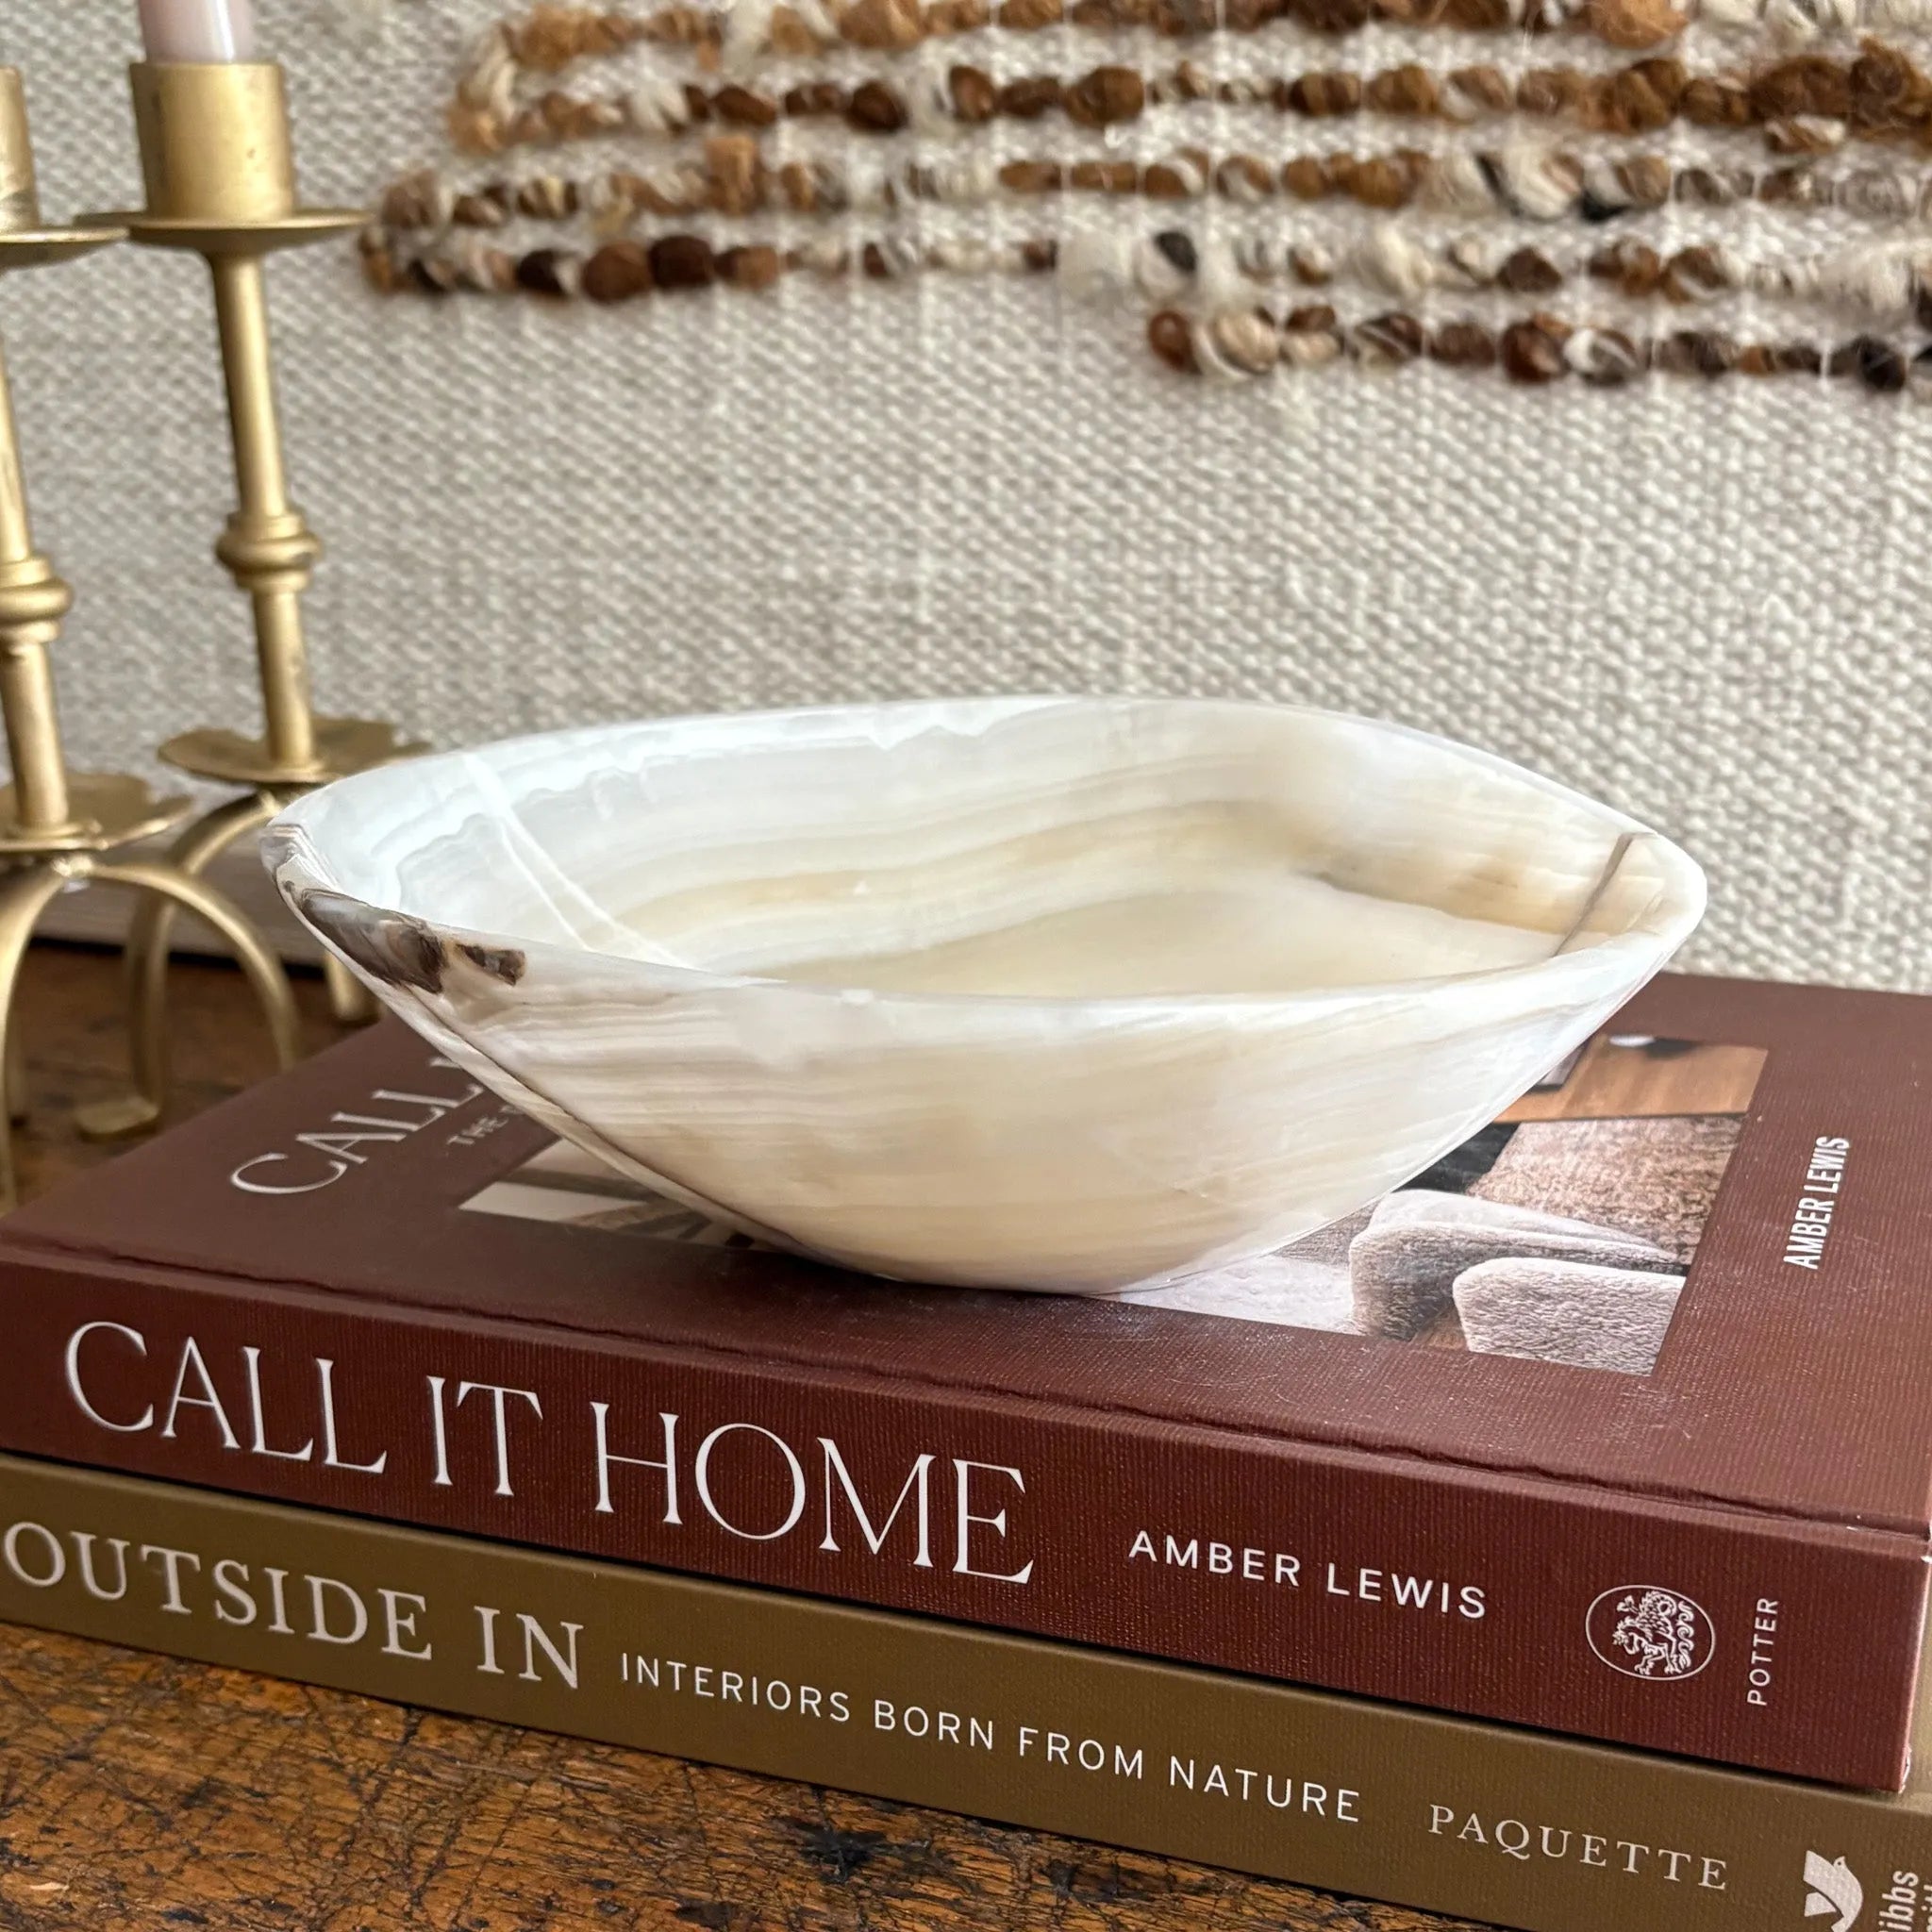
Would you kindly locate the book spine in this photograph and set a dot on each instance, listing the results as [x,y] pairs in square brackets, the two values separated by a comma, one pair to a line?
[1443,1814]
[1712,1634]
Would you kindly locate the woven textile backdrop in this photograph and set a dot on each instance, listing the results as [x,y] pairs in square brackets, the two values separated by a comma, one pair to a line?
[1315,351]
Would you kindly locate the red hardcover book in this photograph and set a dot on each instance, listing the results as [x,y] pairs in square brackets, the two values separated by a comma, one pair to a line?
[1613,1423]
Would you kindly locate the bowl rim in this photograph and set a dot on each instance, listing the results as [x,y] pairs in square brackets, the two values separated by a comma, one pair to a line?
[289,848]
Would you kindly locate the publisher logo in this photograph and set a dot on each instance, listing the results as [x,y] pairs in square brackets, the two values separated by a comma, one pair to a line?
[1646,1631]
[1832,1888]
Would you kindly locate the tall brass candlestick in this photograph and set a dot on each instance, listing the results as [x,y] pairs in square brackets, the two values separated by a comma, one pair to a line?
[59,829]
[220,176]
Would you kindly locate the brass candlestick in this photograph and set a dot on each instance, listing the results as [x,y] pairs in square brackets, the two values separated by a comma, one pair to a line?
[59,829]
[220,174]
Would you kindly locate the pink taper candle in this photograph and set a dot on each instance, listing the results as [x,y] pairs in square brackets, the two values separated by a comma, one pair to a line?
[199,31]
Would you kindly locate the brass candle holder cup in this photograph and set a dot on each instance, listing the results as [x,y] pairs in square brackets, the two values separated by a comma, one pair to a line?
[59,829]
[220,178]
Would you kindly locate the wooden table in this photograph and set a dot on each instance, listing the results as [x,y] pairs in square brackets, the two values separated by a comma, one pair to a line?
[136,1792]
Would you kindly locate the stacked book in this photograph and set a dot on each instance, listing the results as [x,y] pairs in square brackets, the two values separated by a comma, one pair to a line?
[1545,1545]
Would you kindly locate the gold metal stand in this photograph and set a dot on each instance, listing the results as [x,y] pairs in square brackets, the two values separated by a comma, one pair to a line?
[220,174]
[60,830]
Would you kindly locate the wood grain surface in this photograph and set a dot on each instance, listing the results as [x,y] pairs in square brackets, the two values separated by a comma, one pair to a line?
[137,1791]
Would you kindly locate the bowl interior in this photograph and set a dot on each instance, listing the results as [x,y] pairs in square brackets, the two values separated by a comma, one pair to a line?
[1052,848]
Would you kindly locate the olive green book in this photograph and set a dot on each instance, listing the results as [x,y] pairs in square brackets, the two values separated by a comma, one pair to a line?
[1523,1828]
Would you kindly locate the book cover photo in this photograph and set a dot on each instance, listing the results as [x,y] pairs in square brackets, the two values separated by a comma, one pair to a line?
[1563,1232]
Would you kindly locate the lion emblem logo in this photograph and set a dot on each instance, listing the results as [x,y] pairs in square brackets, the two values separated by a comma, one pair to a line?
[1646,1631]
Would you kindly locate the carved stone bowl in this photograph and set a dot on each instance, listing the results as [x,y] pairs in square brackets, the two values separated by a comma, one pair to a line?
[1035,994]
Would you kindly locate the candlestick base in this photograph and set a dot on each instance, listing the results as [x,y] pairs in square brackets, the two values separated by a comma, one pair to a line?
[343,746]
[29,887]
[105,809]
